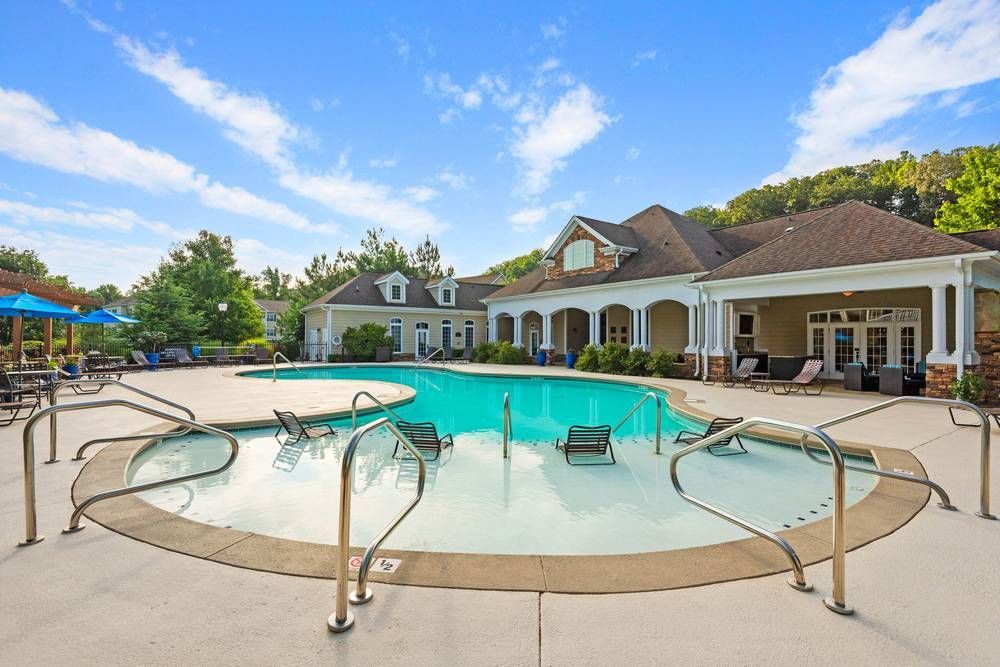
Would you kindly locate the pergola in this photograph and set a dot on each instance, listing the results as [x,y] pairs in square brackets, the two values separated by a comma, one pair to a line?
[11,282]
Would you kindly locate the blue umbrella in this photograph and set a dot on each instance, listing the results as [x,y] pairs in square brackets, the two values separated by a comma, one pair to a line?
[103,317]
[28,305]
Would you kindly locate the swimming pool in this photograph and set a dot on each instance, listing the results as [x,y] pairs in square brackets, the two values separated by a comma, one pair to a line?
[475,502]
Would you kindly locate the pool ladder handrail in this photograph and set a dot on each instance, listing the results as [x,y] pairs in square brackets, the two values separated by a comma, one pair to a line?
[354,408]
[836,602]
[274,365]
[508,430]
[984,469]
[341,619]
[53,427]
[428,357]
[650,395]
[28,442]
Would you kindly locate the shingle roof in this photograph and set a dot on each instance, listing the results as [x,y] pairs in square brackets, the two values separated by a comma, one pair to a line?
[987,238]
[484,279]
[742,238]
[848,234]
[669,244]
[362,291]
[272,305]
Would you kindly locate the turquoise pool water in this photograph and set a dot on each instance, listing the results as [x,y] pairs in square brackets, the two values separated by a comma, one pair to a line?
[475,502]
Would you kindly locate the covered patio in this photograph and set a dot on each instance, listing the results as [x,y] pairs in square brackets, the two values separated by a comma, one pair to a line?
[11,283]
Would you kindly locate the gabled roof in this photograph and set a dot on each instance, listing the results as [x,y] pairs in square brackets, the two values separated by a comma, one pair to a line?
[436,282]
[987,238]
[272,305]
[363,290]
[608,233]
[742,238]
[484,279]
[395,274]
[668,243]
[849,234]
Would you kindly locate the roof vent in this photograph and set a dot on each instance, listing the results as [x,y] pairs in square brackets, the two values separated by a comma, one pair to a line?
[666,243]
[789,229]
[719,253]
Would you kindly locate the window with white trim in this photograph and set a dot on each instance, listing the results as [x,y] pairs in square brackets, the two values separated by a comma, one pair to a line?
[396,333]
[578,255]
[446,295]
[445,333]
[470,333]
[395,292]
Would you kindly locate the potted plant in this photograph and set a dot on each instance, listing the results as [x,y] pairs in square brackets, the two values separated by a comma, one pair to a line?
[570,358]
[968,388]
[541,357]
[151,340]
[72,365]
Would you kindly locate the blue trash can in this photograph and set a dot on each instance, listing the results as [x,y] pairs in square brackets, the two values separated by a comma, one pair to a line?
[541,357]
[154,359]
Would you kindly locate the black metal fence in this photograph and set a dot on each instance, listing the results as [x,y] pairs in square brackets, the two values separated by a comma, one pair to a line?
[116,348]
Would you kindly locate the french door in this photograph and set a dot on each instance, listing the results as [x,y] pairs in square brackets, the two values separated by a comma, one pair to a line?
[845,347]
[533,342]
[423,339]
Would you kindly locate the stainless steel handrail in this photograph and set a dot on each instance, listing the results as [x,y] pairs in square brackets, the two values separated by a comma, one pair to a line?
[984,457]
[659,415]
[342,619]
[354,408]
[274,366]
[428,357]
[28,441]
[53,428]
[836,602]
[508,430]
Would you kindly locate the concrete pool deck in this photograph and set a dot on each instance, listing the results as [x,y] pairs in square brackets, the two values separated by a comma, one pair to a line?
[927,593]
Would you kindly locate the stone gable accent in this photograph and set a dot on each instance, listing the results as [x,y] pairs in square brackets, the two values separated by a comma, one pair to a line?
[602,262]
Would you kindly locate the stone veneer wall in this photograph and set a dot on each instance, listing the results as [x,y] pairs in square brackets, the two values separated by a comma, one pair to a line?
[939,379]
[687,370]
[988,347]
[718,366]
[602,262]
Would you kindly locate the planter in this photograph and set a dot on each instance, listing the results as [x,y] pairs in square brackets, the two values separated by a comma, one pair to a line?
[153,358]
[73,370]
[196,351]
[541,357]
[571,359]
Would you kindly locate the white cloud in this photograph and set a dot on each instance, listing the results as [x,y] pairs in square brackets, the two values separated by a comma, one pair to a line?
[553,30]
[402,46]
[442,86]
[253,255]
[446,117]
[374,202]
[632,153]
[528,219]
[544,144]
[320,105]
[252,121]
[91,262]
[644,56]
[499,90]
[455,181]
[421,193]
[32,132]
[382,162]
[951,45]
[87,216]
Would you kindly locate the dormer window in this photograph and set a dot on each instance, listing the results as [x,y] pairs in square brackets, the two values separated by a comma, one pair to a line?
[395,292]
[578,255]
[446,295]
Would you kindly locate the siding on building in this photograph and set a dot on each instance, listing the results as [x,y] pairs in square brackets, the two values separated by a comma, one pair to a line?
[345,317]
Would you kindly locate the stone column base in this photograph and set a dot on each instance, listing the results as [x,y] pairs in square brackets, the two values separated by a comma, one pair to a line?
[939,379]
[718,366]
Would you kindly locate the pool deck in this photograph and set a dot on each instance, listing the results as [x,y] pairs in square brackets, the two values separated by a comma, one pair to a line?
[929,593]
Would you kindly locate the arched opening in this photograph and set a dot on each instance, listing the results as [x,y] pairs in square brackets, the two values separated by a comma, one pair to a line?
[615,324]
[668,326]
[570,330]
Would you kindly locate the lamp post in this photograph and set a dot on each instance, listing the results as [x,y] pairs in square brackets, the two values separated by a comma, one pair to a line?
[223,307]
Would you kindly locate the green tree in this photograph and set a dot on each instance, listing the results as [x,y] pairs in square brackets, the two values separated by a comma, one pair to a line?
[707,215]
[205,267]
[271,283]
[519,266]
[162,305]
[380,255]
[105,294]
[23,261]
[977,193]
[426,260]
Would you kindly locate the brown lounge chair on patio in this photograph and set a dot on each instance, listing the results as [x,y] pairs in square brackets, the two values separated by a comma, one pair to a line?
[466,356]
[298,429]
[260,356]
[222,358]
[587,441]
[184,359]
[14,398]
[807,377]
[718,424]
[741,376]
[140,359]
[424,436]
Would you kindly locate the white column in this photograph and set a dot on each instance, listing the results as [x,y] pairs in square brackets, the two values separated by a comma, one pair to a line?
[329,333]
[517,330]
[960,303]
[692,345]
[939,321]
[720,329]
[634,328]
[491,330]
[547,332]
[646,327]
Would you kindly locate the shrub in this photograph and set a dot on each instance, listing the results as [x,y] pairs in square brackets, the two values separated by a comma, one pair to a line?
[508,353]
[636,361]
[968,388]
[361,342]
[662,364]
[484,352]
[589,359]
[612,358]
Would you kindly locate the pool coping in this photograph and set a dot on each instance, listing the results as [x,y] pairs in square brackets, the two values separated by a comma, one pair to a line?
[886,508]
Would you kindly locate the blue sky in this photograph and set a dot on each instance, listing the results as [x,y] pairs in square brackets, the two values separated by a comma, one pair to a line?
[125,126]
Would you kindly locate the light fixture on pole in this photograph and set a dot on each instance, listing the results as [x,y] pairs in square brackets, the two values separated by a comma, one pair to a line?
[223,307]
